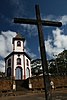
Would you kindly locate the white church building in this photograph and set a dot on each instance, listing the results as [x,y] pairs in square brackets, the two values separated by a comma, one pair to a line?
[18,62]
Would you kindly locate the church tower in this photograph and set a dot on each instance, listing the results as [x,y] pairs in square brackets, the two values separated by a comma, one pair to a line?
[17,63]
[18,43]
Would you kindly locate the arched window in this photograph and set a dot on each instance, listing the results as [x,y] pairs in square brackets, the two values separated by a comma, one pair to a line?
[18,61]
[9,62]
[18,43]
[27,62]
[8,71]
[27,72]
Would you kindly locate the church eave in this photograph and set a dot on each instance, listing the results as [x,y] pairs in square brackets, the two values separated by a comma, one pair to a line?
[13,53]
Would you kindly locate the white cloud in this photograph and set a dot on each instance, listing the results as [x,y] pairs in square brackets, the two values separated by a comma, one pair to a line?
[18,8]
[6,42]
[5,46]
[63,19]
[31,29]
[57,44]
[30,53]
[49,17]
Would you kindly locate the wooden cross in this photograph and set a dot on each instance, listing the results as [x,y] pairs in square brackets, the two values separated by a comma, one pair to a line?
[39,24]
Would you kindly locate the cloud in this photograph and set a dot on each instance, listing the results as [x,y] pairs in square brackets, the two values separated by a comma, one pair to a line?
[29,52]
[63,19]
[49,17]
[5,46]
[6,42]
[18,8]
[57,44]
[31,29]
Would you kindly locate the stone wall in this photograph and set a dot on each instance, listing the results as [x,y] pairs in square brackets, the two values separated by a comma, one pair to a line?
[5,85]
[59,82]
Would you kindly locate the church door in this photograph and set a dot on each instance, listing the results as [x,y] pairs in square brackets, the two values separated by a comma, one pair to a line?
[18,73]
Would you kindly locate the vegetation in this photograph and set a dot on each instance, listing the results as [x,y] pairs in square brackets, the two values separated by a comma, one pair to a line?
[56,66]
[59,66]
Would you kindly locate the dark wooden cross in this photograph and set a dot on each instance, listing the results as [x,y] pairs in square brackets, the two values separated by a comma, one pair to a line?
[39,24]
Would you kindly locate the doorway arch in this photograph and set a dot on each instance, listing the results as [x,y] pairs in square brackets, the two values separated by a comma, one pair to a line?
[18,74]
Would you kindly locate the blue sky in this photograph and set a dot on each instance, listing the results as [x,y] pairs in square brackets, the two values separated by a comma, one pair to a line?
[55,38]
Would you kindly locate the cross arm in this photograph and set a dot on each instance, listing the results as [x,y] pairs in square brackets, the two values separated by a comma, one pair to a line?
[34,22]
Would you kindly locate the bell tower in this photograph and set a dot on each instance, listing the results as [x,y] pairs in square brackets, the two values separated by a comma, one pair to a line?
[18,43]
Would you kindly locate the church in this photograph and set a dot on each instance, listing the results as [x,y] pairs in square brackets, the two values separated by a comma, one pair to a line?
[18,62]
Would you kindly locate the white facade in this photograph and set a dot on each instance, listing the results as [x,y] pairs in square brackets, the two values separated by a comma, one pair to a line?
[16,48]
[27,67]
[17,63]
